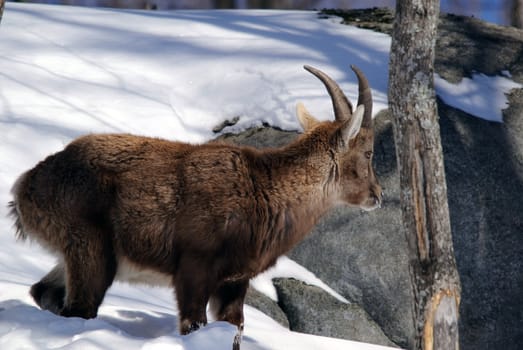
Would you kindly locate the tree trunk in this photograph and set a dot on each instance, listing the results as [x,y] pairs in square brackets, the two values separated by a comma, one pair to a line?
[423,189]
[2,4]
[516,14]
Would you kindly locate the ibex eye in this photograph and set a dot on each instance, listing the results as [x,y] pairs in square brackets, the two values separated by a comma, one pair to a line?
[368,154]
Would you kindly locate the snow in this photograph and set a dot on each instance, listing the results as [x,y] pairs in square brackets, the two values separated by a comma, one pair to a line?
[69,71]
[287,268]
[481,96]
[185,71]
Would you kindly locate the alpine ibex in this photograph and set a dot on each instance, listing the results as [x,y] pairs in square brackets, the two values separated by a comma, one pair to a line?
[203,219]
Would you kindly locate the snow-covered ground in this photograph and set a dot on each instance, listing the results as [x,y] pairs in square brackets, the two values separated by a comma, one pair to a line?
[69,71]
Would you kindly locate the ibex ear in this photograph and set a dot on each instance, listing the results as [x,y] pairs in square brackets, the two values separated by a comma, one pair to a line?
[307,121]
[351,127]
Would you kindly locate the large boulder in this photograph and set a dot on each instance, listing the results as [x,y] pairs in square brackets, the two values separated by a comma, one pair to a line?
[266,305]
[311,310]
[484,179]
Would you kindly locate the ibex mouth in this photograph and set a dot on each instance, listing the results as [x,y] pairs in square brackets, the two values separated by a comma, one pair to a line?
[374,202]
[370,207]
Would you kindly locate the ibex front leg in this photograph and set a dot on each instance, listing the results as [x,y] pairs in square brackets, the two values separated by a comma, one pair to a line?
[227,305]
[238,338]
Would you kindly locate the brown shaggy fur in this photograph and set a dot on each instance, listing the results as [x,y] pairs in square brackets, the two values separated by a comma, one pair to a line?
[207,217]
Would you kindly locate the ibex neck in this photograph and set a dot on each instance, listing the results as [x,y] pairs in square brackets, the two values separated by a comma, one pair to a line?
[303,170]
[298,189]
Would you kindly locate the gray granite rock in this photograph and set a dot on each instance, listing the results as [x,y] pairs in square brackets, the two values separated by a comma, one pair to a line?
[266,305]
[312,310]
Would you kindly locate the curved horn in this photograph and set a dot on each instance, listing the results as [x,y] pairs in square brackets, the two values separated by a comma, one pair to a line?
[364,96]
[342,106]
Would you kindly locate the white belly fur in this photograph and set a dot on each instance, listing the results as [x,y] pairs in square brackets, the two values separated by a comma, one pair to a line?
[132,273]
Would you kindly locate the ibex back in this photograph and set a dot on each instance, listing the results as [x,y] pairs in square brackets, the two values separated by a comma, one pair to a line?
[203,219]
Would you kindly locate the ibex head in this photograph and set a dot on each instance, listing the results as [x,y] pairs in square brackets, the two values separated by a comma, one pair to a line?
[357,183]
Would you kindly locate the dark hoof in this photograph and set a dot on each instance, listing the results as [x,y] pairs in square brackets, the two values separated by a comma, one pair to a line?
[195,326]
[78,312]
[51,299]
[237,341]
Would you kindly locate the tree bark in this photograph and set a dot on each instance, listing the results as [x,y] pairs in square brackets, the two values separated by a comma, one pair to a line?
[2,5]
[516,14]
[423,189]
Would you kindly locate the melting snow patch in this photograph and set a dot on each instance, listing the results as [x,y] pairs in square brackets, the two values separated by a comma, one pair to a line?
[287,268]
[482,96]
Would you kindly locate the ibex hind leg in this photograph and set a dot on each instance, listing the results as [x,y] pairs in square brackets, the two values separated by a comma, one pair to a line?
[227,305]
[192,284]
[49,293]
[90,268]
